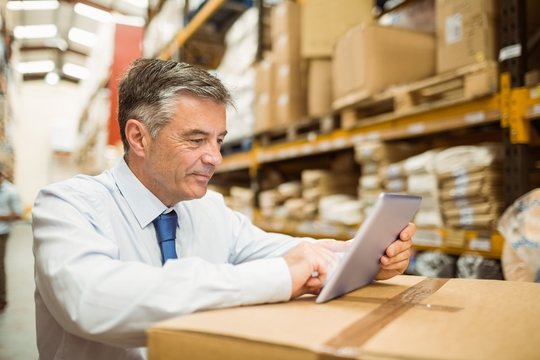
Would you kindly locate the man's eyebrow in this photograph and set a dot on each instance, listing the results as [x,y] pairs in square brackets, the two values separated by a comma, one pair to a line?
[202,132]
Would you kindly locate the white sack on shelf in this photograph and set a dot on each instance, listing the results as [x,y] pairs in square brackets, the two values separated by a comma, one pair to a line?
[423,184]
[291,189]
[422,163]
[458,158]
[428,218]
[237,73]
[163,27]
[341,209]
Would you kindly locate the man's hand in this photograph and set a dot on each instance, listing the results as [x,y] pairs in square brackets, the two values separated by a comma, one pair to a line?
[397,255]
[309,257]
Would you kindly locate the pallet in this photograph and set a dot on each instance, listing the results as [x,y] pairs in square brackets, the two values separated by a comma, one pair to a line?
[297,131]
[452,87]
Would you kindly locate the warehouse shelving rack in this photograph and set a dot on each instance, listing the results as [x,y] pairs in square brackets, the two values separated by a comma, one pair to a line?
[515,107]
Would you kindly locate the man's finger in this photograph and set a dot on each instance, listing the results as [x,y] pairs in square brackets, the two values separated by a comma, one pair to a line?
[398,247]
[334,245]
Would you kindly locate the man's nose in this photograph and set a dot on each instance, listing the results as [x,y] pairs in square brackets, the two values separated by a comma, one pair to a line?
[212,155]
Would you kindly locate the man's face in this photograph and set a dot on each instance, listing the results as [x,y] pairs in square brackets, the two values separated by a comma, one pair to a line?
[183,157]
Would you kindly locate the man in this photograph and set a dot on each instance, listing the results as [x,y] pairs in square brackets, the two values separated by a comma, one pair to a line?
[101,277]
[10,210]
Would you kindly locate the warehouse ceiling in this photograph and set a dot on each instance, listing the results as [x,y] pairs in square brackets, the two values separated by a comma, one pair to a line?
[52,39]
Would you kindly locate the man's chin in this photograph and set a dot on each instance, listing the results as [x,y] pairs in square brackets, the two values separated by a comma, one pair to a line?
[199,192]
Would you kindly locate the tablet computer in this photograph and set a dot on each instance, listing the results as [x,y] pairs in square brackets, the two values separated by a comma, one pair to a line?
[360,264]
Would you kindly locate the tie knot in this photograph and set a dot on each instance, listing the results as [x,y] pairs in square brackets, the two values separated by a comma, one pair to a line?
[165,225]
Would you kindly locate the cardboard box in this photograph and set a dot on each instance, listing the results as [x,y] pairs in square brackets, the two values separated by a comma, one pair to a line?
[319,87]
[365,57]
[323,21]
[264,95]
[285,19]
[466,32]
[289,91]
[264,75]
[289,110]
[407,317]
[285,50]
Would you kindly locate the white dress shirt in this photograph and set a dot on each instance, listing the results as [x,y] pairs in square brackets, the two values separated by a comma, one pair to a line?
[99,279]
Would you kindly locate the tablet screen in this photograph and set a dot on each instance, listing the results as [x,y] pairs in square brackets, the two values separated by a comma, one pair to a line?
[360,264]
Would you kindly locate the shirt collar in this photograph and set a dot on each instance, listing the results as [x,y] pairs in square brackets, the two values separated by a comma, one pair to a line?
[136,194]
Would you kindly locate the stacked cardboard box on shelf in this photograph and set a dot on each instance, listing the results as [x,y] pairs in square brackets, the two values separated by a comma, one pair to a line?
[471,185]
[280,94]
[285,20]
[466,32]
[322,23]
[364,61]
[319,89]
[264,95]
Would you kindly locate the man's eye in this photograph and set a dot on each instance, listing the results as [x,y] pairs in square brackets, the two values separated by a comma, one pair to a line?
[197,141]
[220,141]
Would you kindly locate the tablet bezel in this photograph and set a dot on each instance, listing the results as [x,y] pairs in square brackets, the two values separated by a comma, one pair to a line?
[361,263]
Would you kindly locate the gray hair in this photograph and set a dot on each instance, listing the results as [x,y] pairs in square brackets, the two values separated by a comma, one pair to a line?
[149,92]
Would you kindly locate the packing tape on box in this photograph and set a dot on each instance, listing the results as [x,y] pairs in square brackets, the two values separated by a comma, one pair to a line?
[348,342]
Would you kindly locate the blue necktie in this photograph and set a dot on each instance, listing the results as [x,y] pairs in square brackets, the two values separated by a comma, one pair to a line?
[165,225]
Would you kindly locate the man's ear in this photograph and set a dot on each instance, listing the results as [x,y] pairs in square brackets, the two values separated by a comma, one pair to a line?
[137,136]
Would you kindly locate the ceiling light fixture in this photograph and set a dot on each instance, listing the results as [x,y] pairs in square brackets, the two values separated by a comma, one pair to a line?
[32,5]
[82,37]
[75,71]
[92,13]
[35,67]
[52,78]
[35,31]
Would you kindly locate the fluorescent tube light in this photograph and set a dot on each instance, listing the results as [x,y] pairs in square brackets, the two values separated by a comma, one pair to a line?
[32,5]
[35,67]
[35,31]
[76,71]
[82,37]
[92,12]
[129,20]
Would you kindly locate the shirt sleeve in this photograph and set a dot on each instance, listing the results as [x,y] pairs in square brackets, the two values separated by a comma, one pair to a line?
[251,242]
[94,295]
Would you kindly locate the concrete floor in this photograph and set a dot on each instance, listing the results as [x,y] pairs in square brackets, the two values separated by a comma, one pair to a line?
[17,327]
